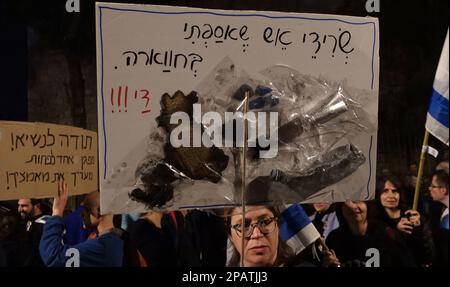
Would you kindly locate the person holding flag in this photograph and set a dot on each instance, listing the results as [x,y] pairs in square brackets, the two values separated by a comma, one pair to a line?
[437,125]
[437,116]
[403,224]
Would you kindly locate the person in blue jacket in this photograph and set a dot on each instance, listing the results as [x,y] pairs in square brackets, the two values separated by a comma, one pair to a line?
[77,223]
[103,251]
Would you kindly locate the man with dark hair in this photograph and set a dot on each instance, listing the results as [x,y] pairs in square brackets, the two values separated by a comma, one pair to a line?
[34,213]
[439,192]
[28,208]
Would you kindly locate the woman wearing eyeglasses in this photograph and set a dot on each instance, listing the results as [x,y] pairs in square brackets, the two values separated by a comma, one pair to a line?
[262,244]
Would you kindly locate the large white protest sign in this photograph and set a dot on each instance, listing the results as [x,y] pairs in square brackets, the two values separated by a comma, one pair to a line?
[145,51]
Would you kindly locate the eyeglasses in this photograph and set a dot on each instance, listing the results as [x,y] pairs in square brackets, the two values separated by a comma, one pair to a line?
[265,225]
[434,186]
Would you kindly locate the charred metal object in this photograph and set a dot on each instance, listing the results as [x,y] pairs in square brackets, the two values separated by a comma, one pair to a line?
[192,162]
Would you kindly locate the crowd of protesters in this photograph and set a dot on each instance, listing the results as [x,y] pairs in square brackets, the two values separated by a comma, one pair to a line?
[39,233]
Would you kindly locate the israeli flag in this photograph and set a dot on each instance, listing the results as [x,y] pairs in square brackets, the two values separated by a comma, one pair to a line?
[437,117]
[296,228]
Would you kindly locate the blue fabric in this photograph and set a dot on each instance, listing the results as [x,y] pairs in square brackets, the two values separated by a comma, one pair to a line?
[444,222]
[293,219]
[103,251]
[437,117]
[75,233]
[438,108]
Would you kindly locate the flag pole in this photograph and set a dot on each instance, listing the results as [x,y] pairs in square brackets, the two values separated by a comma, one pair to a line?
[243,168]
[322,243]
[420,172]
[436,123]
